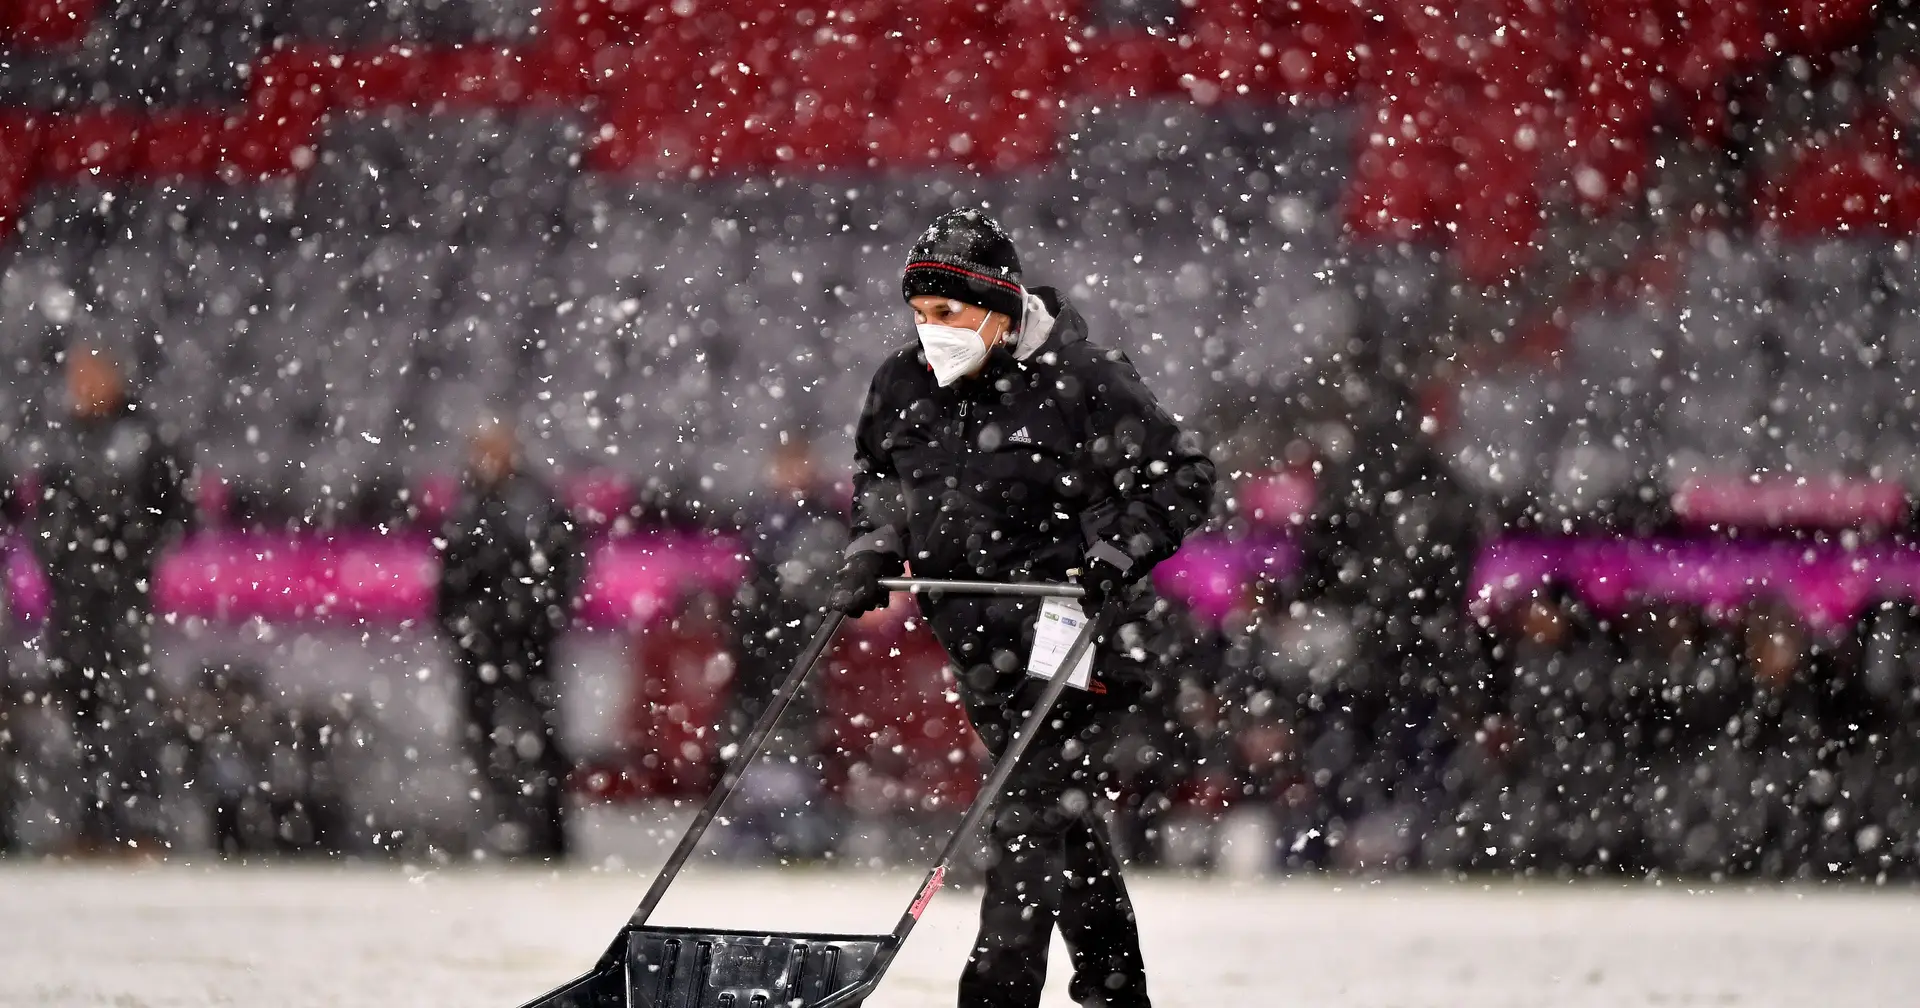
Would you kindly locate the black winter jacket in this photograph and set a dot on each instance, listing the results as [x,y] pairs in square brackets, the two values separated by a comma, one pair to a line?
[114,493]
[510,566]
[1019,473]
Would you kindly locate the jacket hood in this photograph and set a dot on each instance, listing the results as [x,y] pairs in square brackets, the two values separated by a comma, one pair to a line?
[1069,326]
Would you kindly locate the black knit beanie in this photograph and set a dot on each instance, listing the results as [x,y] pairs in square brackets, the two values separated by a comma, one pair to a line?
[966,256]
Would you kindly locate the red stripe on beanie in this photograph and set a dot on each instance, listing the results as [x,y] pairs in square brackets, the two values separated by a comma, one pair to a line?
[928,264]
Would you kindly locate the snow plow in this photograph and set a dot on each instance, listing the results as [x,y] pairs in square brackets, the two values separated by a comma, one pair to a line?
[652,966]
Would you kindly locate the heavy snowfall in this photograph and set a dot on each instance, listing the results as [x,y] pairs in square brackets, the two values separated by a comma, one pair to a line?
[429,429]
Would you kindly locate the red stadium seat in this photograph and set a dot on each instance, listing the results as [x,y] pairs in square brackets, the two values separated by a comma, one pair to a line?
[377,78]
[1397,196]
[1608,166]
[1496,200]
[683,674]
[1639,29]
[1607,148]
[1472,43]
[560,72]
[887,711]
[19,147]
[294,81]
[181,144]
[704,138]
[260,146]
[1816,27]
[1839,189]
[958,24]
[13,193]
[473,76]
[1124,64]
[1403,175]
[97,144]
[1405,65]
[961,111]
[1319,59]
[596,23]
[46,24]
[823,101]
[1710,39]
[972,85]
[20,135]
[1708,42]
[1265,48]
[684,102]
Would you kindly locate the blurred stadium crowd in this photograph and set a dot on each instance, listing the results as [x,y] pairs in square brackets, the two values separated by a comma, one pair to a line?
[1509,268]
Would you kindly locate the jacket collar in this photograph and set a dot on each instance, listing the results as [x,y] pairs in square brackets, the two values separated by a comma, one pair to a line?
[1069,326]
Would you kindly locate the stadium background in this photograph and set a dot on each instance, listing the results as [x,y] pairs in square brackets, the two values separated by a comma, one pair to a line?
[1612,305]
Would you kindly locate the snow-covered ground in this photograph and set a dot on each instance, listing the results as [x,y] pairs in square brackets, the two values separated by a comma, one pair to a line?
[363,936]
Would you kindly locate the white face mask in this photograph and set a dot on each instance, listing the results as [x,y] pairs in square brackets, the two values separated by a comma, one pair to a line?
[953,352]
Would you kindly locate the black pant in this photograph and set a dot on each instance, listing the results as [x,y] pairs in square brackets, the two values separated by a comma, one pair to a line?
[1052,862]
[513,737]
[103,684]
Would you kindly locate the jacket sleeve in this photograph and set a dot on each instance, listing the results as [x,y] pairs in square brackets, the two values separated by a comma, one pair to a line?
[1151,484]
[879,499]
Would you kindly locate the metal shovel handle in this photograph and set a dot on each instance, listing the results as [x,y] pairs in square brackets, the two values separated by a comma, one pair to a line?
[730,778]
[782,697]
[1040,588]
[976,813]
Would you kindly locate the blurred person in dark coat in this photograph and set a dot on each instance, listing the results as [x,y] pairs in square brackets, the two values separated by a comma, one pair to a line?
[510,568]
[793,543]
[1393,535]
[112,496]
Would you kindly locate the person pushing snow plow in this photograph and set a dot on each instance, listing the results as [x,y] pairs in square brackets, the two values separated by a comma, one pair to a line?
[1023,473]
[1004,445]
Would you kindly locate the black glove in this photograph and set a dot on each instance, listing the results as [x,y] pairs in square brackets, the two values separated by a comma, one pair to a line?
[1103,582]
[856,589]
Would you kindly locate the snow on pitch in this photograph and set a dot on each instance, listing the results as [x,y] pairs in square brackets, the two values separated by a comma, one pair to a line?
[364,936]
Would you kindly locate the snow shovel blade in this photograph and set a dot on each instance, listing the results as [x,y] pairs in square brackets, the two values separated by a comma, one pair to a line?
[671,967]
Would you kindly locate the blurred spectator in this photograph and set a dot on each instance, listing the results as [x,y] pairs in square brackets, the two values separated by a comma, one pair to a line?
[225,718]
[794,541]
[510,567]
[1392,536]
[1524,777]
[1154,745]
[1683,662]
[1890,663]
[12,766]
[264,771]
[111,498]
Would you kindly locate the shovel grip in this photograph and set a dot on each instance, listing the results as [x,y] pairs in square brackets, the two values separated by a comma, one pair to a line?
[1034,588]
